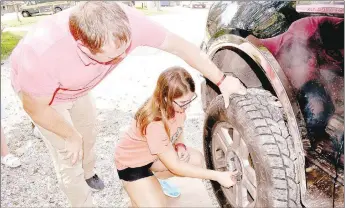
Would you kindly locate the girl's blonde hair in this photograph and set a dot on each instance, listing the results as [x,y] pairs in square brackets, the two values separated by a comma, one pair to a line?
[173,83]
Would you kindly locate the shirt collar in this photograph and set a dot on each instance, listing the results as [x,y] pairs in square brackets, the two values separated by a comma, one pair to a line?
[84,58]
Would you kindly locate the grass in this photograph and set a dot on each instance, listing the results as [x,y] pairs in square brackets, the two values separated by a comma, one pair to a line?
[24,21]
[9,40]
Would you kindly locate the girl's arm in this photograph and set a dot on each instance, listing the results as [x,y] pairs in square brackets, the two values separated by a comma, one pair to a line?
[159,144]
[180,139]
[177,167]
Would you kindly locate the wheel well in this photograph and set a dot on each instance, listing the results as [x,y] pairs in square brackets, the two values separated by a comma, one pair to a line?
[233,61]
[237,63]
[57,7]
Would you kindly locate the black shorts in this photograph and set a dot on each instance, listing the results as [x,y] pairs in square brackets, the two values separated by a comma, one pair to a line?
[133,174]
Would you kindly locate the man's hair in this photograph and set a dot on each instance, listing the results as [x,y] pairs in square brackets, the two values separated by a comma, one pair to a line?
[96,23]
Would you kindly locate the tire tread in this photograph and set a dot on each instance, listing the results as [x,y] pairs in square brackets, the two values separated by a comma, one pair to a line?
[268,119]
[262,114]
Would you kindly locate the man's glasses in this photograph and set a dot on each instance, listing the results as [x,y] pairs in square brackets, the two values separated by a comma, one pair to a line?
[187,103]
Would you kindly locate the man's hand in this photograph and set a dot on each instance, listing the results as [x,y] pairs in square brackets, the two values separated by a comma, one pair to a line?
[73,148]
[43,114]
[229,86]
[183,154]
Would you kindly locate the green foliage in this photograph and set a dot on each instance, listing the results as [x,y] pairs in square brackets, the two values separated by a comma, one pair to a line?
[9,40]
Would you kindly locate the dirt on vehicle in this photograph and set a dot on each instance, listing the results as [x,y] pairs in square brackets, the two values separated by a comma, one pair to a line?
[292,52]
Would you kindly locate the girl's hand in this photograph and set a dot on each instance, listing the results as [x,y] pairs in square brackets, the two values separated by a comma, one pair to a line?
[183,154]
[226,179]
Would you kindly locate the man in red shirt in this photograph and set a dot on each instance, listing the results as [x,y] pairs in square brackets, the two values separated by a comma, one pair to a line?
[65,56]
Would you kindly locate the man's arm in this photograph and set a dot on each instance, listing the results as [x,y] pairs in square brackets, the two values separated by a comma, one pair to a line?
[44,115]
[197,59]
[41,113]
[148,33]
[38,84]
[192,55]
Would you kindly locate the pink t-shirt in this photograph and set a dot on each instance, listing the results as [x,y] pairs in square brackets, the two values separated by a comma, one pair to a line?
[135,150]
[47,61]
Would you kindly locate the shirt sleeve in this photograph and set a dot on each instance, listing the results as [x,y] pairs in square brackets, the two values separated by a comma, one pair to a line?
[157,138]
[33,76]
[145,32]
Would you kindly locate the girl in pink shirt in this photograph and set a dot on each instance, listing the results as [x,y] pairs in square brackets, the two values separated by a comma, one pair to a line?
[153,147]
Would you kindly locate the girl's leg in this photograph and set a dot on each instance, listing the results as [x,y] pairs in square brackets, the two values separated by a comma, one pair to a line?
[145,192]
[7,158]
[162,172]
[4,147]
[133,204]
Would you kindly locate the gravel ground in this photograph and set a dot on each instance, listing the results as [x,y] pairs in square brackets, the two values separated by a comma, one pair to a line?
[34,184]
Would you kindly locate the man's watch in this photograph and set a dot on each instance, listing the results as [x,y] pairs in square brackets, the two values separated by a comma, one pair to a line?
[221,80]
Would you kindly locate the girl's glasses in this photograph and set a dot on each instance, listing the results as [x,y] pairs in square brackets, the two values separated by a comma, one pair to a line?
[187,103]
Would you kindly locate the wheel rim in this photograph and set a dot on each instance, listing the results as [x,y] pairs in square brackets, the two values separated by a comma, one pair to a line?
[230,152]
[25,14]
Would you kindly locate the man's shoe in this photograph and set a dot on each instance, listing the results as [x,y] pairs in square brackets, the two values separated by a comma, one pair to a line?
[95,183]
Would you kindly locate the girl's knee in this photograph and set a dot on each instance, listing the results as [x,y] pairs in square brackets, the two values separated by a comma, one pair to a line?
[161,202]
[201,160]
[133,204]
[197,159]
[158,203]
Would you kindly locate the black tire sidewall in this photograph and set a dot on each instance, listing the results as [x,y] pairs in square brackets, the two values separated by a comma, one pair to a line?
[25,14]
[217,114]
[57,9]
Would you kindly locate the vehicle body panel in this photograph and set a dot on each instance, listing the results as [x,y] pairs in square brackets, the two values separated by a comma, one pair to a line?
[230,22]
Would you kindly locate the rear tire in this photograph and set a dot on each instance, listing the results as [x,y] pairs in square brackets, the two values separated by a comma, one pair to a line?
[26,14]
[57,9]
[258,118]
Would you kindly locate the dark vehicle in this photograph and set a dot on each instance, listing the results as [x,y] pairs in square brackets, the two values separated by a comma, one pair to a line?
[290,56]
[44,7]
